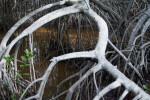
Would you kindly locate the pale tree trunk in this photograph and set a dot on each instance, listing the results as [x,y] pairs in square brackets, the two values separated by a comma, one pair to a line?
[98,53]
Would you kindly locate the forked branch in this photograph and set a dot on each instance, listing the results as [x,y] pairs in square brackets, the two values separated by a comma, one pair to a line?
[98,53]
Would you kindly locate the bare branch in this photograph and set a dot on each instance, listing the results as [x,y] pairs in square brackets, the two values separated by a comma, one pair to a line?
[21,21]
[107,89]
[87,54]
[71,89]
[123,95]
[43,20]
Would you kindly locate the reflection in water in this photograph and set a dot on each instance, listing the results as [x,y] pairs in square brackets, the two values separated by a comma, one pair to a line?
[42,38]
[61,71]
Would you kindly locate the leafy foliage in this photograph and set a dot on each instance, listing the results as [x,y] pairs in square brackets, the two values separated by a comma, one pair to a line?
[146,88]
[9,59]
[26,62]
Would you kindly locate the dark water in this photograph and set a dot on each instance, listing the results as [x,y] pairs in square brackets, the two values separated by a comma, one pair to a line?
[42,39]
[61,71]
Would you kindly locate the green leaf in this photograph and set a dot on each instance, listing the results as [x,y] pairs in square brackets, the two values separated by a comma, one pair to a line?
[7,63]
[13,79]
[22,93]
[6,85]
[26,74]
[17,82]
[27,64]
[24,59]
[145,87]
[27,52]
[9,69]
[11,56]
[13,96]
[24,65]
[30,52]
[30,57]
[18,71]
[18,76]
[6,58]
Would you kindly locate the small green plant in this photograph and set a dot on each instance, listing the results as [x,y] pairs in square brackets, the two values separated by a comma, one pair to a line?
[9,59]
[26,62]
[13,96]
[146,88]
[26,58]
[22,93]
[5,86]
[18,74]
